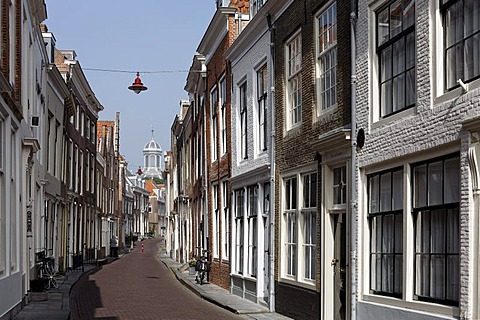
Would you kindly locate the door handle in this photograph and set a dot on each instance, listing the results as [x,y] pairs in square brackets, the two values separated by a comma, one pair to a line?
[334,262]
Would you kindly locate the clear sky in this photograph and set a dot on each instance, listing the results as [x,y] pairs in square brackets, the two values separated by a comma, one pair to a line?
[138,35]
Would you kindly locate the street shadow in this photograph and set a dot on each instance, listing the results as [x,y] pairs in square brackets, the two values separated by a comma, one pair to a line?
[85,298]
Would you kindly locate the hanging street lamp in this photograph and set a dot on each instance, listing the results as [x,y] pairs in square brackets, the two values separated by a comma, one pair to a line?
[137,86]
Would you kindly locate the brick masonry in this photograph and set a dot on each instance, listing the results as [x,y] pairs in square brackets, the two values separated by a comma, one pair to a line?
[294,148]
[432,128]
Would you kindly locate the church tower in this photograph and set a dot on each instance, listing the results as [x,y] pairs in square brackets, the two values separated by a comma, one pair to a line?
[152,159]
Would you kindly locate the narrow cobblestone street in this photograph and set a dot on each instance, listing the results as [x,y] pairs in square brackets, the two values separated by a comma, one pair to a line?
[139,286]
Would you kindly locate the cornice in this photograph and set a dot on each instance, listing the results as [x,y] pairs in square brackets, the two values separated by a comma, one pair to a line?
[256,28]
[216,31]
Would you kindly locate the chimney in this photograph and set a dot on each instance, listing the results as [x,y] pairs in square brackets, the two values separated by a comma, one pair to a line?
[49,40]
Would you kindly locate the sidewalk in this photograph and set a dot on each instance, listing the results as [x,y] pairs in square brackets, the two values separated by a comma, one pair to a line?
[218,295]
[55,303]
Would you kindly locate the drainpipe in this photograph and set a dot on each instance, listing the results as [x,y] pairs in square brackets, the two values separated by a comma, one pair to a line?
[271,85]
[353,165]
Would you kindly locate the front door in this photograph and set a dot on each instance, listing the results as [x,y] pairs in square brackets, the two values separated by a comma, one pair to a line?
[339,264]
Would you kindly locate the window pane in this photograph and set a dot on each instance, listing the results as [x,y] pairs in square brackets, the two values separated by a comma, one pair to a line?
[374,194]
[387,273]
[388,234]
[398,93]
[472,54]
[435,185]
[397,190]
[409,13]
[452,180]
[452,277]
[438,235]
[410,56]
[410,88]
[396,17]
[383,26]
[472,16]
[437,277]
[386,98]
[385,192]
[422,287]
[386,64]
[453,236]
[420,185]
[398,58]
[398,273]
[398,233]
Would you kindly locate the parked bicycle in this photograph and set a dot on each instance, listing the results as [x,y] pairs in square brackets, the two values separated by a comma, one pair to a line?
[51,278]
[202,267]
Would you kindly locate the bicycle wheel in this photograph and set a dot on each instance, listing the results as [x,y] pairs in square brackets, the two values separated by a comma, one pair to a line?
[51,275]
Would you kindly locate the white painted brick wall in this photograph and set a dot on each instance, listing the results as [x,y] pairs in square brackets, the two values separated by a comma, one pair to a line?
[245,68]
[430,126]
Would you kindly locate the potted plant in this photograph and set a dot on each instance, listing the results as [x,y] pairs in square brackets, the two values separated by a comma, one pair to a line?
[191,267]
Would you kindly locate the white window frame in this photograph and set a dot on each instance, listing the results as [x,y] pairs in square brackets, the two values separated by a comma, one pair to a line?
[293,67]
[243,116]
[225,222]
[223,116]
[252,232]
[308,227]
[216,221]
[213,125]
[240,202]
[441,61]
[299,247]
[386,76]
[326,61]
[385,216]
[262,108]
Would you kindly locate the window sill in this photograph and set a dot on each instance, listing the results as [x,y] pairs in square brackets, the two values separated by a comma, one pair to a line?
[456,93]
[305,285]
[325,112]
[393,118]
[412,304]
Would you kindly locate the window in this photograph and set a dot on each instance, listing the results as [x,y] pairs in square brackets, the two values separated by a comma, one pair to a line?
[299,228]
[216,221]
[239,214]
[256,5]
[225,222]
[14,205]
[223,110]
[461,25]
[291,228]
[327,58]
[294,81]
[309,228]
[395,28]
[243,120]
[340,185]
[436,196]
[385,216]
[252,207]
[262,107]
[214,106]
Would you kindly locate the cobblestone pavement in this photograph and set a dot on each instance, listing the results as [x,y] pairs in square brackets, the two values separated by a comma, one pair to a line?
[139,286]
